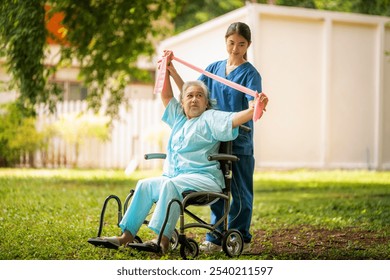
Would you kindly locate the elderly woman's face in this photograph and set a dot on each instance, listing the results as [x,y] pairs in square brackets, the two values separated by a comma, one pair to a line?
[194,102]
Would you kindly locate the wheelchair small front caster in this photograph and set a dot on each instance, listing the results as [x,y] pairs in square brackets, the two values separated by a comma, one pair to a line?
[174,240]
[189,250]
[233,243]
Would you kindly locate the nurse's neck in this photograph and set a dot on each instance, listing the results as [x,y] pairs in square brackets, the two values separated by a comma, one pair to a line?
[235,61]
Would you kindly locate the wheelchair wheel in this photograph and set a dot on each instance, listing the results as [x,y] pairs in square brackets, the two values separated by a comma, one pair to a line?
[188,253]
[233,243]
[174,240]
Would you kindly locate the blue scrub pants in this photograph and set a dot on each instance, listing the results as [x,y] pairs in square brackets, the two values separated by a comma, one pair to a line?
[161,190]
[241,207]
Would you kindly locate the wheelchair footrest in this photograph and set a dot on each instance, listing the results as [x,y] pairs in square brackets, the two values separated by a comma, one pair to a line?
[148,247]
[100,242]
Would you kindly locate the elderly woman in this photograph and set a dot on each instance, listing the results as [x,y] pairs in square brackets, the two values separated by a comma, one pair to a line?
[197,130]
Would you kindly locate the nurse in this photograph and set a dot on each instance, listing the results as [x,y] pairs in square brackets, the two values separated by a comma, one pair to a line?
[197,130]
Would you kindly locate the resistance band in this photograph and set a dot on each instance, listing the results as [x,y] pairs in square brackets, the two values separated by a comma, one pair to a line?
[259,105]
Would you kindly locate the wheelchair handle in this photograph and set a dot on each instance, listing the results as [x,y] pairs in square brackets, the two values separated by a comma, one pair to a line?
[155,156]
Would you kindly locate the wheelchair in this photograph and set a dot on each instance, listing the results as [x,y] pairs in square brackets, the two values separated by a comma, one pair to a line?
[231,240]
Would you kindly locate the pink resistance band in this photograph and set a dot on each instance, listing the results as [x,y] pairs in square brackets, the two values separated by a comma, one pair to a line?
[259,106]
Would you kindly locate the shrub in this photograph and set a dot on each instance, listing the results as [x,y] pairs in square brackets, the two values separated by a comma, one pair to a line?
[19,138]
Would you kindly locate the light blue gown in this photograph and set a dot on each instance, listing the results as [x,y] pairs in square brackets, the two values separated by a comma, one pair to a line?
[185,168]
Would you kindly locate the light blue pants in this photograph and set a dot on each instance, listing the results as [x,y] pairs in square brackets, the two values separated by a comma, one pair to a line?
[161,190]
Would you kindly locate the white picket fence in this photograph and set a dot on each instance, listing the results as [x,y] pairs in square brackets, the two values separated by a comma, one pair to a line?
[139,130]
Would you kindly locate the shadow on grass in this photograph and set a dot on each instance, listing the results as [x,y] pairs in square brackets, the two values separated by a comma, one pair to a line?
[310,243]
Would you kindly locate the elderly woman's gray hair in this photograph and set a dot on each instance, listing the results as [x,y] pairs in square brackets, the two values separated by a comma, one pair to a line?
[198,83]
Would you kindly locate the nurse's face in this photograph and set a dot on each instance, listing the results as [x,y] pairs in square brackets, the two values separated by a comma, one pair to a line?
[194,102]
[236,46]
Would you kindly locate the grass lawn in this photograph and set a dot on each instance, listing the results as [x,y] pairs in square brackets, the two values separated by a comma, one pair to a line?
[301,214]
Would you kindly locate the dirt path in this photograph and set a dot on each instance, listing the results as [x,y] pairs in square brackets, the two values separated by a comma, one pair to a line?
[314,243]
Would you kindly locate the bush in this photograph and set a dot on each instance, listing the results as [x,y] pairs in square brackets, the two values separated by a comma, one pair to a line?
[19,138]
[76,128]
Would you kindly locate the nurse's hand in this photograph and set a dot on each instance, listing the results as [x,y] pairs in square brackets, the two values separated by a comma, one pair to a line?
[263,99]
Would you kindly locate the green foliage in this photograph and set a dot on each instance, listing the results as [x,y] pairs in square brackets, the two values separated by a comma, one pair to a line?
[371,7]
[378,7]
[297,3]
[333,5]
[108,37]
[75,129]
[50,214]
[197,12]
[18,135]
[23,39]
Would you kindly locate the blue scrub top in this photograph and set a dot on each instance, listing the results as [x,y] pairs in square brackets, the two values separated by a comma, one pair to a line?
[193,140]
[232,100]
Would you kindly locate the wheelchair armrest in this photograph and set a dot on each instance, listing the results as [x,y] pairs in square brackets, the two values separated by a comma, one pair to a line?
[222,157]
[201,198]
[155,156]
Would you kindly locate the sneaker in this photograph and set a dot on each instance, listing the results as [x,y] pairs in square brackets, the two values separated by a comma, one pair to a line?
[210,247]
[247,248]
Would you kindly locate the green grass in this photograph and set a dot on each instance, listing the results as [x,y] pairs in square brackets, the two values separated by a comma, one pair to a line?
[50,214]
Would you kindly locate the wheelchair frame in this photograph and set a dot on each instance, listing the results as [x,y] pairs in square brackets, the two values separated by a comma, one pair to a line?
[232,240]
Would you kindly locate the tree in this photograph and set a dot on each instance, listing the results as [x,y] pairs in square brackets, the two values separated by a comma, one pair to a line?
[378,7]
[22,41]
[197,12]
[106,37]
[371,7]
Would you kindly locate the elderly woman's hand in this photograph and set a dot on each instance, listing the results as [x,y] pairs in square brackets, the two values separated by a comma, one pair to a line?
[252,103]
[168,54]
[171,69]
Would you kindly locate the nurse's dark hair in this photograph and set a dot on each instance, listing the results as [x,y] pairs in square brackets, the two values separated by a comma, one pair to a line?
[241,29]
[204,88]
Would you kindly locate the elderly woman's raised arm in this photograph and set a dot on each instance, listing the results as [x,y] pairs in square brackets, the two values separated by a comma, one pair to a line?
[166,93]
[244,116]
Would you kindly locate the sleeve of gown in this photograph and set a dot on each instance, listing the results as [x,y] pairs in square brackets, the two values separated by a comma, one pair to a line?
[172,111]
[220,125]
